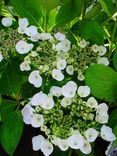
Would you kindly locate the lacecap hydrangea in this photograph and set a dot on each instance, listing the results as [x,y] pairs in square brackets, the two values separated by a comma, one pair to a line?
[63,108]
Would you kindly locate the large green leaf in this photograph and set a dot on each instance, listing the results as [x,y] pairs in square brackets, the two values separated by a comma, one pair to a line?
[11,131]
[11,81]
[6,107]
[107,6]
[103,82]
[91,31]
[115,60]
[30,9]
[69,10]
[50,4]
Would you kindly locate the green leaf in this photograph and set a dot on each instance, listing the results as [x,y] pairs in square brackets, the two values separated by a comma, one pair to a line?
[115,60]
[50,4]
[6,107]
[103,82]
[30,9]
[115,132]
[107,6]
[11,131]
[91,31]
[69,10]
[113,118]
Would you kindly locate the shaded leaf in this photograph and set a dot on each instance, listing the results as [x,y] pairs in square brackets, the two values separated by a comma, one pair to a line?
[50,4]
[11,131]
[91,31]
[69,10]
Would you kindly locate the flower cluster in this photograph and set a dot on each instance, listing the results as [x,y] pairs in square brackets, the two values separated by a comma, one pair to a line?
[64,108]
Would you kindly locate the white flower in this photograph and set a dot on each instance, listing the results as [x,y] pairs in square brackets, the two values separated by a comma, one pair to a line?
[102,109]
[55,140]
[31,30]
[95,48]
[70,70]
[63,145]
[56,91]
[66,102]
[69,90]
[103,60]
[102,118]
[91,102]
[47,148]
[81,77]
[57,74]
[37,120]
[27,113]
[24,66]
[75,141]
[91,134]
[35,37]
[38,99]
[107,134]
[45,36]
[7,21]
[23,22]
[22,47]
[1,57]
[83,91]
[82,44]
[35,79]
[86,148]
[37,141]
[102,50]
[59,36]
[48,103]
[61,64]
[21,30]
[63,46]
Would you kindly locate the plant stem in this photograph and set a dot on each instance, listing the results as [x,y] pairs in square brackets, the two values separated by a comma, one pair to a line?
[112,41]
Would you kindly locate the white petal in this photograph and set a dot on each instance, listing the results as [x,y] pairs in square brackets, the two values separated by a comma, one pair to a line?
[21,30]
[102,50]
[37,120]
[102,118]
[35,79]
[63,145]
[24,66]
[7,21]
[102,109]
[57,74]
[23,22]
[95,48]
[82,44]
[38,99]
[70,70]
[83,91]
[48,103]
[37,141]
[91,134]
[1,57]
[91,102]
[59,36]
[45,36]
[61,64]
[31,30]
[103,60]
[75,141]
[86,148]
[22,47]
[56,91]
[27,113]
[66,102]
[47,148]
[107,134]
